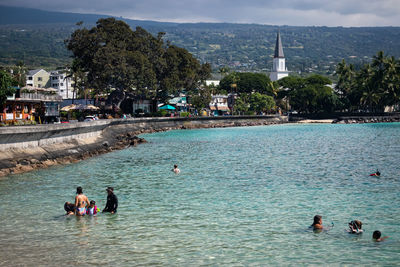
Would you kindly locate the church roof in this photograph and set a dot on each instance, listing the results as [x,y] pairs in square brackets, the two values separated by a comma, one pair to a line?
[278,47]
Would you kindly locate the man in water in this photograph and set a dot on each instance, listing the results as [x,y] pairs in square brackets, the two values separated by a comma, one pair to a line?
[176,170]
[112,201]
[81,202]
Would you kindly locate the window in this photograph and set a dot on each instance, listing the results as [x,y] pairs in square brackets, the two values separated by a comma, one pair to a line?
[30,78]
[39,85]
[61,84]
[39,79]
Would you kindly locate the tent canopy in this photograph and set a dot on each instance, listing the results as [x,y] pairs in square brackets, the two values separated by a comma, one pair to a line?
[169,107]
[79,107]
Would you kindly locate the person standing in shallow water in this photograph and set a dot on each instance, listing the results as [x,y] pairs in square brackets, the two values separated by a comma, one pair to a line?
[112,201]
[81,202]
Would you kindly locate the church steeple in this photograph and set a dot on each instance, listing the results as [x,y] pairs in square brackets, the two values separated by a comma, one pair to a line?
[278,47]
[279,69]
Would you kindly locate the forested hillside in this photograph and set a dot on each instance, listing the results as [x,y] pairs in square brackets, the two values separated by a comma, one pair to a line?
[37,38]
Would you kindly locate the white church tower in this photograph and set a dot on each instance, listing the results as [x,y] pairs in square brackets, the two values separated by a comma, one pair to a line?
[279,69]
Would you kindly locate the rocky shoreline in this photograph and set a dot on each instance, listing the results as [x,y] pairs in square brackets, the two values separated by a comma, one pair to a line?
[15,161]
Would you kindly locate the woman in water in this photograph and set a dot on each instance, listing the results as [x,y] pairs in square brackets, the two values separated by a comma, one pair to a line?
[81,202]
[317,224]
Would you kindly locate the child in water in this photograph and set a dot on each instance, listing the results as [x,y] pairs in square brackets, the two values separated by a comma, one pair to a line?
[355,227]
[376,236]
[69,208]
[92,209]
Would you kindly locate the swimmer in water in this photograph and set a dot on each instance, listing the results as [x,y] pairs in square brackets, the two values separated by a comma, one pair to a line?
[175,169]
[376,236]
[317,224]
[377,173]
[355,227]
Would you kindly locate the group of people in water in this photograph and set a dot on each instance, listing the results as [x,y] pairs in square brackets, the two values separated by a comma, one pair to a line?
[83,206]
[355,227]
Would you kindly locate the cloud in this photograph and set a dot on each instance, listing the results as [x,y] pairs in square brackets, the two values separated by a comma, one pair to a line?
[283,12]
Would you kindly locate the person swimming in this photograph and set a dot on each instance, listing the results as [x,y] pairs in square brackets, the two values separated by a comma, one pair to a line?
[377,173]
[175,169]
[317,224]
[376,236]
[355,227]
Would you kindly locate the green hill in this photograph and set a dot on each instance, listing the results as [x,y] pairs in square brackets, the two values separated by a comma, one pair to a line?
[37,37]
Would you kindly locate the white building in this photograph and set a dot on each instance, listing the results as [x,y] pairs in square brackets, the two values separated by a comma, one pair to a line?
[279,69]
[59,81]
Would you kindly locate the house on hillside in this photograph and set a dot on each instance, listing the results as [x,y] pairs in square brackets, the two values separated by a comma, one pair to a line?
[38,78]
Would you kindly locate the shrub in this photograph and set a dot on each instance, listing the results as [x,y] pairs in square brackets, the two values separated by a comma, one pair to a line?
[184,114]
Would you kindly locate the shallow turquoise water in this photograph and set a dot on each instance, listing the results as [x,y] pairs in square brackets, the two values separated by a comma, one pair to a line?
[244,197]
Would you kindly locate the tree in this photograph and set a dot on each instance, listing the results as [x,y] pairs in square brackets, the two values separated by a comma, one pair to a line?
[5,87]
[247,83]
[114,56]
[261,103]
[202,99]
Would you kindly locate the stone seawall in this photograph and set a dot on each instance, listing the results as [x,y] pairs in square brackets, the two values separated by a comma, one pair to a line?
[25,148]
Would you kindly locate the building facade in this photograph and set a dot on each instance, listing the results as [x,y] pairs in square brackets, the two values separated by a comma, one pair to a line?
[60,81]
[279,69]
[53,79]
[38,78]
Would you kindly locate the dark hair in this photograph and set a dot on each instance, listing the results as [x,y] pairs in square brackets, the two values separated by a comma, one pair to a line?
[69,207]
[356,224]
[175,166]
[92,202]
[317,218]
[376,235]
[79,190]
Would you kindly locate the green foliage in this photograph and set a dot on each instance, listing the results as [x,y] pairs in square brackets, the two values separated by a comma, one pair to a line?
[114,56]
[310,94]
[202,99]
[5,86]
[373,87]
[247,83]
[184,114]
[261,103]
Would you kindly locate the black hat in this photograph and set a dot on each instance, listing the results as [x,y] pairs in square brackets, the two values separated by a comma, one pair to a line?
[110,189]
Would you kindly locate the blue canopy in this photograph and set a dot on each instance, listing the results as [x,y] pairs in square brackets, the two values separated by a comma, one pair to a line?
[168,107]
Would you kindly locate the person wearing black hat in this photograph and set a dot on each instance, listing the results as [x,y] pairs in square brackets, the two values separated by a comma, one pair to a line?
[112,201]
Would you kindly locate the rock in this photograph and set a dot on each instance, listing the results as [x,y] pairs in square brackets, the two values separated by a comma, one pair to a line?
[24,162]
[34,161]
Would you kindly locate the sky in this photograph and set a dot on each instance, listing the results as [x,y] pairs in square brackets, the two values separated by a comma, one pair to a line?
[347,13]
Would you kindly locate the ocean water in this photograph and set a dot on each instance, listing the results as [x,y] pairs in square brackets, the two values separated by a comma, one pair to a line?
[244,197]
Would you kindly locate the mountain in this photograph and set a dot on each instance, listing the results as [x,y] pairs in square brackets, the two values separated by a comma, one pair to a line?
[37,37]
